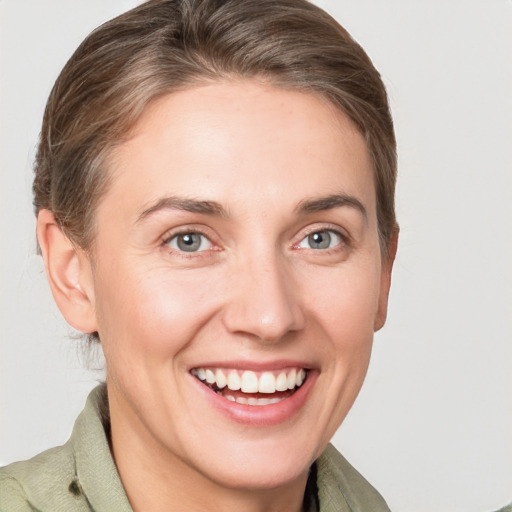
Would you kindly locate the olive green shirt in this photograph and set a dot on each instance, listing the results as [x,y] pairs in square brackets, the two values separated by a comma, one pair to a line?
[81,475]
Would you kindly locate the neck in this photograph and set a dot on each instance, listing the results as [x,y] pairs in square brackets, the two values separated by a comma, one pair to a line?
[157,480]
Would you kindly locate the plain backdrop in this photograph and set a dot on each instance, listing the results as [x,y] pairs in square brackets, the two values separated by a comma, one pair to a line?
[432,428]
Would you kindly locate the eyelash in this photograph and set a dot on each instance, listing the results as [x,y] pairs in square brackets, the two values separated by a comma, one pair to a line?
[169,237]
[344,241]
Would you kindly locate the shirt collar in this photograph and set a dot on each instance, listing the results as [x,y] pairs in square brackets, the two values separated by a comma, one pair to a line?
[95,468]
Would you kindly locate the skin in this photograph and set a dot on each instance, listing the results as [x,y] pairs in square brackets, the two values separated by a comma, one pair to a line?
[256,293]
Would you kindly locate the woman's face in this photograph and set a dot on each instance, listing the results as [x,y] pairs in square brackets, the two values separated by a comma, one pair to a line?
[237,246]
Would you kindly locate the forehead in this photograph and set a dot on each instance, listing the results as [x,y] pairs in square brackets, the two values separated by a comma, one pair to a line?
[241,142]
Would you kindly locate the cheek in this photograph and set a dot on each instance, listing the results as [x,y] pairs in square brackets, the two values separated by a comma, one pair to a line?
[344,313]
[151,312]
[345,303]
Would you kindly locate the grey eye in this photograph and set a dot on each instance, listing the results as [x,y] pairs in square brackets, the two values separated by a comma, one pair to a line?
[189,242]
[323,239]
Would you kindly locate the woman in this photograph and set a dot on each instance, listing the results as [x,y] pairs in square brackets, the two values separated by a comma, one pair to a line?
[215,205]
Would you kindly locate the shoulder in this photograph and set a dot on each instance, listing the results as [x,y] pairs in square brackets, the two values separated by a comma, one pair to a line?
[41,483]
[507,508]
[12,495]
[342,487]
[54,480]
[79,476]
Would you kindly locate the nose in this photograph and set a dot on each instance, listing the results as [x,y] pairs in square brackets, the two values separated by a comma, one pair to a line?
[264,303]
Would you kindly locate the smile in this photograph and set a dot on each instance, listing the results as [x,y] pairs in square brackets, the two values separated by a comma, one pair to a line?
[247,387]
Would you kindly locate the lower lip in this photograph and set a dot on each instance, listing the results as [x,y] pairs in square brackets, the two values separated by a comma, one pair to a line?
[260,415]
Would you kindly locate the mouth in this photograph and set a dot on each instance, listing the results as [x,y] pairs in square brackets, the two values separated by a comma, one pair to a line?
[247,387]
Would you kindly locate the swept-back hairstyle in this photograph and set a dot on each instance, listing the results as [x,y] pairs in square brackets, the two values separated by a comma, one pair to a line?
[163,46]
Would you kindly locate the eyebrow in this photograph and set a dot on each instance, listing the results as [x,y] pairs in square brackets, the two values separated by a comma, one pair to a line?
[184,204]
[213,208]
[331,202]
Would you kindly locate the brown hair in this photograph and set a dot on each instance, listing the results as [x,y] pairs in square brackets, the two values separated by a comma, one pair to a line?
[166,45]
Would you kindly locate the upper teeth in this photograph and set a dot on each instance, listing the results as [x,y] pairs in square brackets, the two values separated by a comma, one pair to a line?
[252,382]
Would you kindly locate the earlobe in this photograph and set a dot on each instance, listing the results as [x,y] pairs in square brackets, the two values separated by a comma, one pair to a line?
[69,274]
[385,281]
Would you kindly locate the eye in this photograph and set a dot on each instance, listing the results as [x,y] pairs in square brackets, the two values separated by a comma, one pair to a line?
[323,239]
[189,242]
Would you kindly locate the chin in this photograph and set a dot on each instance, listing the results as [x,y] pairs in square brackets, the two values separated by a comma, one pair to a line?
[261,465]
[262,475]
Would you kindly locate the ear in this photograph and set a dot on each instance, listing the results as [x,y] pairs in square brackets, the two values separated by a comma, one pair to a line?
[69,273]
[385,281]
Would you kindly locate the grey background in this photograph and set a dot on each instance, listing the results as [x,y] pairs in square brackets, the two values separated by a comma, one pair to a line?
[432,428]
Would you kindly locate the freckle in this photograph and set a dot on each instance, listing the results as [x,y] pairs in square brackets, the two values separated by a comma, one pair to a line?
[74,488]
